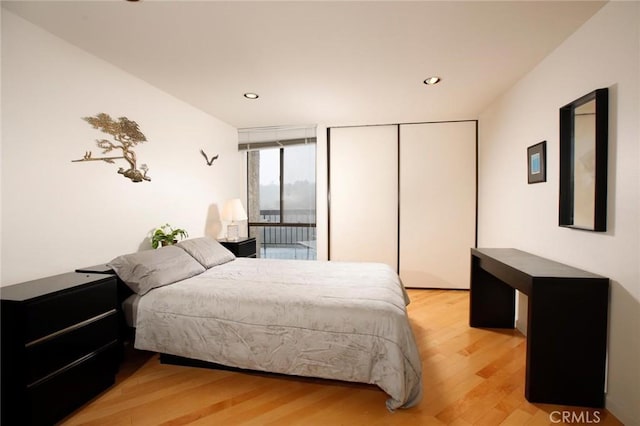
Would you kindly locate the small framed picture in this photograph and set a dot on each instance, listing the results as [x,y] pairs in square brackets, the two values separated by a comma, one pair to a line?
[537,162]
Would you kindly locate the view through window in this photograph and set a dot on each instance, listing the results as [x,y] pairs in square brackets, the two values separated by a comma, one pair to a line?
[282,201]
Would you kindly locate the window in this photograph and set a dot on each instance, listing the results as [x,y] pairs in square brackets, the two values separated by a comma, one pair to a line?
[282,199]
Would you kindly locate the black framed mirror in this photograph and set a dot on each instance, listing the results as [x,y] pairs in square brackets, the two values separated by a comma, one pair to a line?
[584,128]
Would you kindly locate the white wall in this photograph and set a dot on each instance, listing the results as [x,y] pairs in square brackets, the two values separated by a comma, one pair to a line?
[58,215]
[604,52]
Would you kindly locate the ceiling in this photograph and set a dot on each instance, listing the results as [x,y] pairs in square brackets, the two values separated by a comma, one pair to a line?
[331,63]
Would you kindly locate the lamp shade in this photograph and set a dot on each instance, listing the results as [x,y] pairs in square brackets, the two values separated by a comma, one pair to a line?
[234,211]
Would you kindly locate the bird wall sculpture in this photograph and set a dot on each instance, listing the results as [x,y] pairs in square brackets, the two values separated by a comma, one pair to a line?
[209,162]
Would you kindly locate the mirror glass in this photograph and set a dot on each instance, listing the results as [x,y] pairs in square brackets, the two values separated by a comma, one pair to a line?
[583,162]
[584,165]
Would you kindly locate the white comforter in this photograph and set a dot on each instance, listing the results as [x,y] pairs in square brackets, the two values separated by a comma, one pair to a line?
[334,320]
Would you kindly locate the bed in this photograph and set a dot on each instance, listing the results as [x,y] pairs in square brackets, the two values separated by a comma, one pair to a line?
[333,320]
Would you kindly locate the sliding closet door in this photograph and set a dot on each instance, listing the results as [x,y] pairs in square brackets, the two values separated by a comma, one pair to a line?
[363,190]
[438,203]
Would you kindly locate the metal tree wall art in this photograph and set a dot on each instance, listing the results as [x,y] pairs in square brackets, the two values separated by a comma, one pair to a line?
[127,134]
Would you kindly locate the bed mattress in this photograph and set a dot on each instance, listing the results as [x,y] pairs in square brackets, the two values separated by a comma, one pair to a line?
[334,320]
[130,309]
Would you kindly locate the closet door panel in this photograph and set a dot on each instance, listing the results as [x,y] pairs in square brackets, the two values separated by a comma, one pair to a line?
[438,203]
[363,175]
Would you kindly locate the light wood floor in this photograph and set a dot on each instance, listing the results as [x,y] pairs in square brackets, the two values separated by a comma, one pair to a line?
[470,377]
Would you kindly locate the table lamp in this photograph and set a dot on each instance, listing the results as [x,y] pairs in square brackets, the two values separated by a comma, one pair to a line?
[233,212]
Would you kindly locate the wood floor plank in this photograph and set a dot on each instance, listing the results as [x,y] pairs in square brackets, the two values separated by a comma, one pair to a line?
[471,376]
[516,418]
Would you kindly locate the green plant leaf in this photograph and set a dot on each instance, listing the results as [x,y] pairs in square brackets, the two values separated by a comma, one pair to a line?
[167,234]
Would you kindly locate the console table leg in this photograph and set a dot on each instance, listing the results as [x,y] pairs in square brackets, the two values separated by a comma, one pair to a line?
[566,356]
[492,301]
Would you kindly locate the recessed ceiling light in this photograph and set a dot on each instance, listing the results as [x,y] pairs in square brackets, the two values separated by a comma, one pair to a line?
[250,95]
[432,80]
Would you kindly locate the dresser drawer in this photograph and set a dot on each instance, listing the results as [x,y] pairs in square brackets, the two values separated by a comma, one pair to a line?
[244,247]
[50,400]
[247,249]
[46,316]
[51,354]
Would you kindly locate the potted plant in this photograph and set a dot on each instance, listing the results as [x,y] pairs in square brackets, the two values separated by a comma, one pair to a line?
[167,236]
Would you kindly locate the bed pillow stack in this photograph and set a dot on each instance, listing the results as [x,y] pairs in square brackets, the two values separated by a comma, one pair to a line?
[146,270]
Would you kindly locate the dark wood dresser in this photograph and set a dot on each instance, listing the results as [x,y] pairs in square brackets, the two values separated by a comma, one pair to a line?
[59,345]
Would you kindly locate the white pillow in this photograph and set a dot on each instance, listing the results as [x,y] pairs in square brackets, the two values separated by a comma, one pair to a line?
[207,251]
[145,270]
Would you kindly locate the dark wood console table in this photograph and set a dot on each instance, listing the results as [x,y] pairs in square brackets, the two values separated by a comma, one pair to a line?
[566,321]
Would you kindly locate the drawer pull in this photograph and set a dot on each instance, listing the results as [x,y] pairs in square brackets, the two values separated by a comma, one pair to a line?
[71,365]
[70,328]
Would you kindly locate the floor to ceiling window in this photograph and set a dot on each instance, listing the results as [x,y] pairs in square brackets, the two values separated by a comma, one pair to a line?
[281,192]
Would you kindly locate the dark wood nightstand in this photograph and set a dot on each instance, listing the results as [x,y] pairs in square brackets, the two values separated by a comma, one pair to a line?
[103,268]
[126,333]
[243,247]
[60,345]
